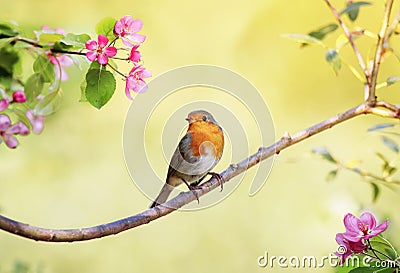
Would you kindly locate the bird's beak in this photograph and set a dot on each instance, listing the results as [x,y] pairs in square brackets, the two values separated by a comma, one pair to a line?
[188,119]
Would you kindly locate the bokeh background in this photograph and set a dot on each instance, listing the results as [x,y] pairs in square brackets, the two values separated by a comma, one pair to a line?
[74,175]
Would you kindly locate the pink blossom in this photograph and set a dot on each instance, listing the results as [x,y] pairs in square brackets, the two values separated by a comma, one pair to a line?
[60,61]
[56,30]
[7,131]
[135,80]
[126,28]
[363,228]
[19,96]
[347,248]
[3,104]
[99,50]
[36,121]
[135,56]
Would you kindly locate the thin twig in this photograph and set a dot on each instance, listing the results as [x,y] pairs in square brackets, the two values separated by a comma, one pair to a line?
[379,53]
[350,38]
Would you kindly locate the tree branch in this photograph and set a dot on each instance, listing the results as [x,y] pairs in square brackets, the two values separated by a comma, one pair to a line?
[81,234]
[350,38]
[379,53]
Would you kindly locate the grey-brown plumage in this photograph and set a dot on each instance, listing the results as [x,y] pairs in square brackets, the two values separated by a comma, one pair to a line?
[197,153]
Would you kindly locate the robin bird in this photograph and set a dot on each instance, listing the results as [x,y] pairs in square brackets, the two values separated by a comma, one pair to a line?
[197,153]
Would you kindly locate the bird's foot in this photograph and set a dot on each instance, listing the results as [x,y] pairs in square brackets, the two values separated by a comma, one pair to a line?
[193,189]
[219,178]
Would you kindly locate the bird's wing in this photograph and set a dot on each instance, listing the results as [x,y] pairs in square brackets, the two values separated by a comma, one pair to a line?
[182,153]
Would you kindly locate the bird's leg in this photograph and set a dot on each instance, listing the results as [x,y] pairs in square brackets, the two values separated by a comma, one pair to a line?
[218,177]
[192,189]
[197,183]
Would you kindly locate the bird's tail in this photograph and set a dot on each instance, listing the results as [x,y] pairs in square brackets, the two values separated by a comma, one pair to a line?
[163,196]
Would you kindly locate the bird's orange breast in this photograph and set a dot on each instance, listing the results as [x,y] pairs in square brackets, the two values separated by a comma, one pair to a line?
[204,134]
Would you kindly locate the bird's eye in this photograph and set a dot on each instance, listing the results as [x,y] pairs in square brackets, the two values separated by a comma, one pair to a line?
[204,118]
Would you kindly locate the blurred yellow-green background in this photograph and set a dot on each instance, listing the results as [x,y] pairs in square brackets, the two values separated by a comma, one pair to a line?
[73,175]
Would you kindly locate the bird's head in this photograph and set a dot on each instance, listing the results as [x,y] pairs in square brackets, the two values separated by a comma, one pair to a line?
[200,115]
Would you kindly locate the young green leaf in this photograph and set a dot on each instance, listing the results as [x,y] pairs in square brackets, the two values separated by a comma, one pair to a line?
[331,175]
[333,58]
[106,27]
[100,86]
[304,39]
[43,66]
[6,41]
[352,9]
[381,126]
[325,154]
[46,38]
[6,31]
[49,104]
[375,191]
[392,80]
[391,144]
[83,89]
[33,86]
[8,58]
[321,32]
[76,40]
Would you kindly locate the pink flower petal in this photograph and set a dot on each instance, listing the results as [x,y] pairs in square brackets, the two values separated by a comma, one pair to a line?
[141,86]
[145,74]
[10,141]
[91,56]
[65,60]
[110,51]
[19,96]
[4,122]
[102,59]
[381,228]
[128,92]
[368,219]
[3,104]
[18,129]
[126,42]
[118,27]
[136,38]
[103,40]
[136,25]
[91,45]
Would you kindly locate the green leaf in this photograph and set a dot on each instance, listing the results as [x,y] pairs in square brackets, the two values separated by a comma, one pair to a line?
[100,87]
[33,86]
[391,144]
[325,154]
[83,88]
[7,31]
[375,191]
[381,126]
[49,104]
[46,38]
[6,41]
[304,39]
[9,57]
[61,46]
[352,9]
[332,57]
[43,66]
[392,80]
[106,27]
[321,32]
[331,175]
[76,40]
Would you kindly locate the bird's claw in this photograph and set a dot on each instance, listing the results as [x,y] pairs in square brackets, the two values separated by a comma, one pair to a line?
[218,177]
